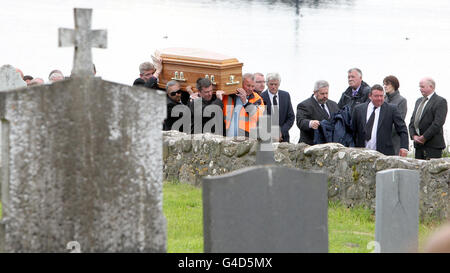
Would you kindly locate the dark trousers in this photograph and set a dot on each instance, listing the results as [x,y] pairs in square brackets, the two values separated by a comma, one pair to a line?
[426,153]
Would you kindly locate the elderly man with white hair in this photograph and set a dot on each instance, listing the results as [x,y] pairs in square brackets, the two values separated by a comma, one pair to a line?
[275,97]
[55,76]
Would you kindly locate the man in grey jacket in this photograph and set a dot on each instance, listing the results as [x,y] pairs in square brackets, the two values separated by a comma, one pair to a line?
[391,85]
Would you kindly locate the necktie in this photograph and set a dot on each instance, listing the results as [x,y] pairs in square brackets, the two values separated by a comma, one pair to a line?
[275,102]
[354,92]
[323,107]
[369,125]
[419,113]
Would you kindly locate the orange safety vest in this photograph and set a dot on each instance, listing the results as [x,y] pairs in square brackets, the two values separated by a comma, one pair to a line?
[247,120]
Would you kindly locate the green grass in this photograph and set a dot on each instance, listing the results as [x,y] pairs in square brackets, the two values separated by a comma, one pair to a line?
[183,210]
[349,229]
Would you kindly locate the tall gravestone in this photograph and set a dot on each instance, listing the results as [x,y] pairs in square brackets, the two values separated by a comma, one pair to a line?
[397,210]
[82,166]
[9,79]
[265,209]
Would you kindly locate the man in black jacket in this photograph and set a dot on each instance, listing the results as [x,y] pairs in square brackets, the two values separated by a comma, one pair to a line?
[313,110]
[148,75]
[357,92]
[206,110]
[174,92]
[427,121]
[372,123]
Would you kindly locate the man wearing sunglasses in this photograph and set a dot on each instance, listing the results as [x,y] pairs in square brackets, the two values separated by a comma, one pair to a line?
[173,90]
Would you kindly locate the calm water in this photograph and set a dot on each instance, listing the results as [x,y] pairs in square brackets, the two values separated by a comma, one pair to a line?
[304,41]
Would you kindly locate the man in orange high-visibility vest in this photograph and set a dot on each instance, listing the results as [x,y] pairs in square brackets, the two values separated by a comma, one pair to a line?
[242,110]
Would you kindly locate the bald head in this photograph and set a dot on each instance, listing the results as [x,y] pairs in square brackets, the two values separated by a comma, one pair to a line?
[427,86]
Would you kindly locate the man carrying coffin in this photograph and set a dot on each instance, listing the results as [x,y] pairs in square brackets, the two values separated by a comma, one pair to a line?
[206,110]
[242,110]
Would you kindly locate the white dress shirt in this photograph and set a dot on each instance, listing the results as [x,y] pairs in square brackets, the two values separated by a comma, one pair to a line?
[271,98]
[372,143]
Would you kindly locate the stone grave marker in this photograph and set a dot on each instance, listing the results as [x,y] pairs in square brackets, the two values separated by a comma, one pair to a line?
[265,209]
[10,78]
[397,210]
[82,166]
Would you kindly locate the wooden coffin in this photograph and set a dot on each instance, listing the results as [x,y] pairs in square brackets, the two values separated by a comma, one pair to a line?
[186,65]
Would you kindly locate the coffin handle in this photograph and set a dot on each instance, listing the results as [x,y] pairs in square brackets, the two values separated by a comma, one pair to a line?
[232,82]
[179,76]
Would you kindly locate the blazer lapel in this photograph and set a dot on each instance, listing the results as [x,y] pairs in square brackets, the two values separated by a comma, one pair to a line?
[319,108]
[381,115]
[428,106]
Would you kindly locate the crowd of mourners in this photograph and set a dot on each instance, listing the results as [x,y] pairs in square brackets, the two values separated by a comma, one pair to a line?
[366,116]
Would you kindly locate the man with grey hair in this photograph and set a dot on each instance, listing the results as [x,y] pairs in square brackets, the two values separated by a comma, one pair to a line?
[173,90]
[275,97]
[313,110]
[55,76]
[357,92]
[148,75]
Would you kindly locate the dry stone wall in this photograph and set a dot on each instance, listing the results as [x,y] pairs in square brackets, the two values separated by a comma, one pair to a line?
[351,171]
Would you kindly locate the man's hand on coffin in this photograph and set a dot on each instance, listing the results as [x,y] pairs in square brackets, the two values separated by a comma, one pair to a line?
[242,94]
[189,89]
[157,62]
[219,94]
[194,96]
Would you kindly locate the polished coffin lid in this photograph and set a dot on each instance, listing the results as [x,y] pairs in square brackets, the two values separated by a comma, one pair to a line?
[197,56]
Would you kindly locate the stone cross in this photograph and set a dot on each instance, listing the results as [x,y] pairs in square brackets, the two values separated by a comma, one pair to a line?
[265,209]
[82,162]
[83,38]
[397,210]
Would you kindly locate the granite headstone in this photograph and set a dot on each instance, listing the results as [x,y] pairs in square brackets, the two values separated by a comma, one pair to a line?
[397,210]
[266,209]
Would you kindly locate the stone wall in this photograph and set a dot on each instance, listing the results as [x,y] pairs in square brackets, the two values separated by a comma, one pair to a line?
[351,171]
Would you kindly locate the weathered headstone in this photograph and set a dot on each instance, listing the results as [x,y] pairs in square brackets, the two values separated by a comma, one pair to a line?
[83,168]
[397,210]
[264,153]
[10,78]
[265,209]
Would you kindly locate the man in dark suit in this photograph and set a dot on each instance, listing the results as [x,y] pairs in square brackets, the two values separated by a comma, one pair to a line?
[313,110]
[273,96]
[427,121]
[372,124]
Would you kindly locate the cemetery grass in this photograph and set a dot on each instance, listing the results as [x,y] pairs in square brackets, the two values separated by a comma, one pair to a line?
[350,229]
